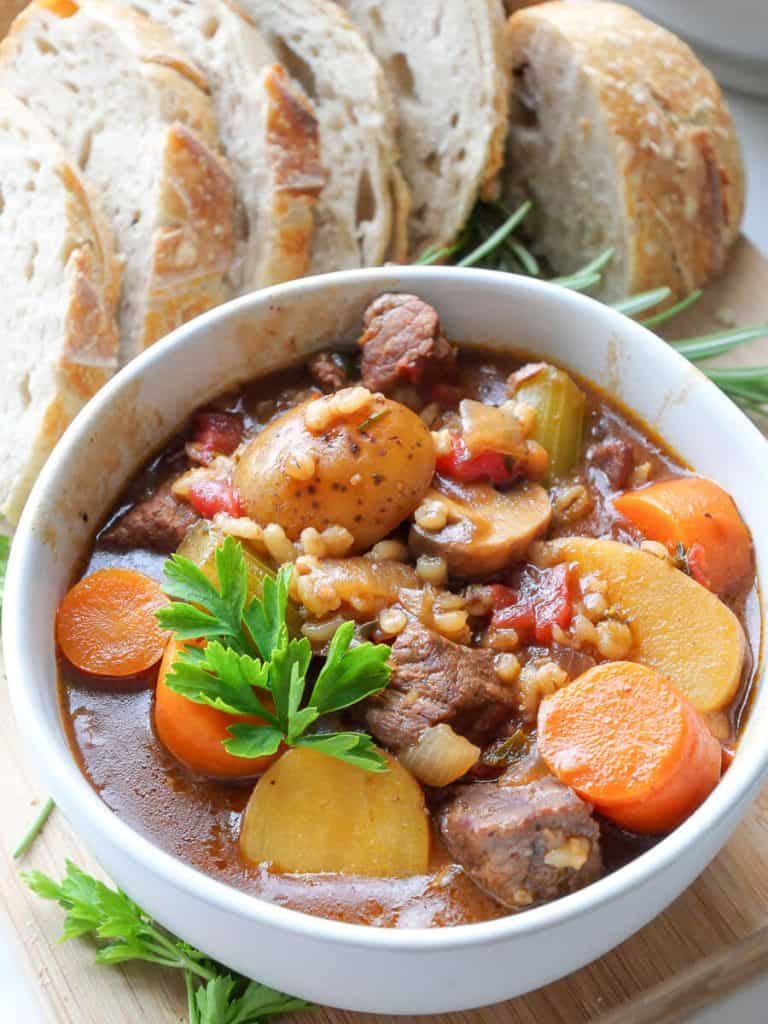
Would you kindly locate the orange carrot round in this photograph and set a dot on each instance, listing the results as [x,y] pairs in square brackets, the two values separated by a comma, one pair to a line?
[700,515]
[194,733]
[631,744]
[106,624]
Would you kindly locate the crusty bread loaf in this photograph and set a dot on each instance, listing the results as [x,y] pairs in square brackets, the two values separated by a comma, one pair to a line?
[268,132]
[61,284]
[136,117]
[8,11]
[446,66]
[361,211]
[622,139]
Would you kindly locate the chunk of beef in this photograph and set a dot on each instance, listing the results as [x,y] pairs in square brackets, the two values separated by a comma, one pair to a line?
[616,458]
[327,371]
[158,523]
[215,433]
[403,343]
[522,844]
[434,680]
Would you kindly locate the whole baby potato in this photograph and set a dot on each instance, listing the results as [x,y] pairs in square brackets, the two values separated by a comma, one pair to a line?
[352,459]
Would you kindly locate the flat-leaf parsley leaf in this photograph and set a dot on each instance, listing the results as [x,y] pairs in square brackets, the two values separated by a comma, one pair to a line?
[250,665]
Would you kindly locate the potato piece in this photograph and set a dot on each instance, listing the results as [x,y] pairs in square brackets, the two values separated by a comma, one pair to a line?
[679,627]
[357,587]
[199,546]
[366,470]
[311,813]
[486,529]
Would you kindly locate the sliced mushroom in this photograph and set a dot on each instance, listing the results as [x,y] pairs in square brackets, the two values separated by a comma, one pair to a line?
[485,529]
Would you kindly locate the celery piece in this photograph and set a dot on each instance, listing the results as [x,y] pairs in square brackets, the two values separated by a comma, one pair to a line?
[199,546]
[560,414]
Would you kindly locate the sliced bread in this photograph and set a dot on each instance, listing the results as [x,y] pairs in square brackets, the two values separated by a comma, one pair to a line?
[446,66]
[61,284]
[135,114]
[623,140]
[268,133]
[361,211]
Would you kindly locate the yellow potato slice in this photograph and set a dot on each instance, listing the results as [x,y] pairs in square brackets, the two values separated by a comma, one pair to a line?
[678,626]
[312,813]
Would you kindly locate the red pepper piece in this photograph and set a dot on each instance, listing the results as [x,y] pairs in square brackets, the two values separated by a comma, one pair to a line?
[207,497]
[543,600]
[460,464]
[216,433]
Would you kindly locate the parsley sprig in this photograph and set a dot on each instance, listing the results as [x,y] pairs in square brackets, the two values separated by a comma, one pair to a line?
[124,932]
[251,666]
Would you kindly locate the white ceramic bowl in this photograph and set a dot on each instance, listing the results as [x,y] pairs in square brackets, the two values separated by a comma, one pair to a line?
[345,965]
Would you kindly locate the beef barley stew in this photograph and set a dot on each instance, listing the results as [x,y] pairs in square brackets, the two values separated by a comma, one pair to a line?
[444,635]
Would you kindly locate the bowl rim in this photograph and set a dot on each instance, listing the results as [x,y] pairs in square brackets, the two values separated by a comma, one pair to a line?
[70,787]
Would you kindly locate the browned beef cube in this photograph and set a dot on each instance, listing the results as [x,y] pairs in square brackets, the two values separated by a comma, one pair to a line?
[433,681]
[522,844]
[616,458]
[403,343]
[158,523]
[328,372]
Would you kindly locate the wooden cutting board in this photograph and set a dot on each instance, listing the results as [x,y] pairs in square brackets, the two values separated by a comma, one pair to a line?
[727,903]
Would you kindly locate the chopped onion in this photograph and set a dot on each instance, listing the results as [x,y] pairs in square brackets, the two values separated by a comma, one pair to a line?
[489,428]
[440,756]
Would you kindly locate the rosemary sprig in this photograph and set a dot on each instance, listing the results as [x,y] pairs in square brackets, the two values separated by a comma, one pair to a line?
[591,270]
[708,345]
[749,383]
[496,238]
[642,301]
[672,311]
[488,240]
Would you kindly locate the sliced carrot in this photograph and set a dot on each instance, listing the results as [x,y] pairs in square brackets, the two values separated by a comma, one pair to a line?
[631,744]
[106,624]
[63,8]
[702,517]
[194,733]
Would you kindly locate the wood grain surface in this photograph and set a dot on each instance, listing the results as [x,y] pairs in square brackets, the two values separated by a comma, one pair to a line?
[726,905]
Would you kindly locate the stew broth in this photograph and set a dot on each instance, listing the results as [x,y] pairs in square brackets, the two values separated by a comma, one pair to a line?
[198,820]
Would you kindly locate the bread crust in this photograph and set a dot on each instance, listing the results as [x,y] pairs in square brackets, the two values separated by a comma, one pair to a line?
[83,356]
[193,241]
[358,213]
[446,67]
[191,207]
[293,144]
[269,135]
[677,156]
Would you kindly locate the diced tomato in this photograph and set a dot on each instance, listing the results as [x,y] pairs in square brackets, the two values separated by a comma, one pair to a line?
[216,433]
[543,599]
[460,464]
[513,610]
[207,497]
